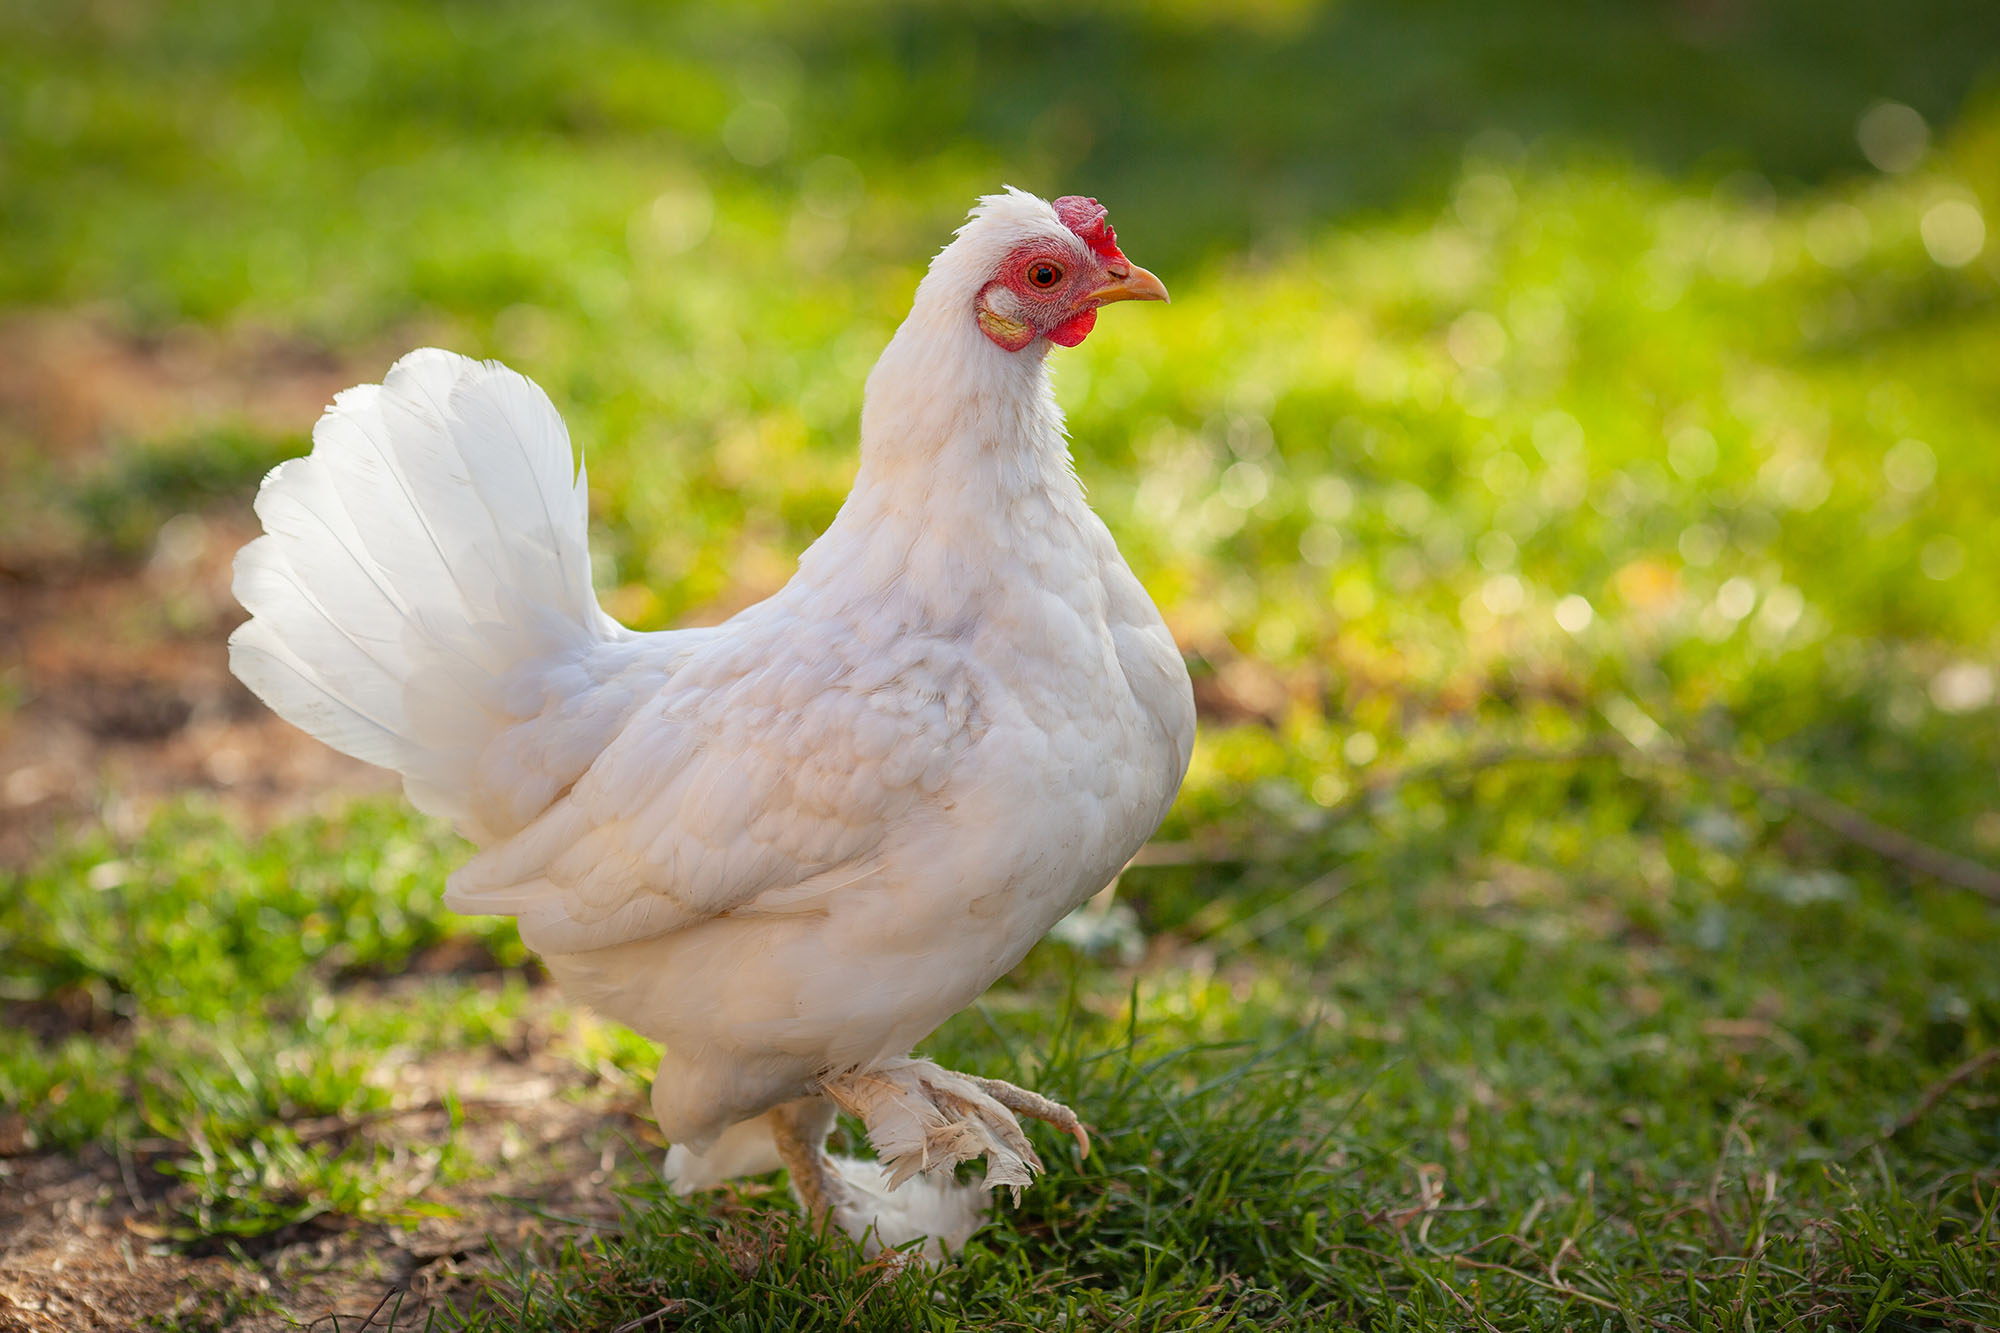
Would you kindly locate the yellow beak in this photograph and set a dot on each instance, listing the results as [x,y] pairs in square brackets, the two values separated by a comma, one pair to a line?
[1129,282]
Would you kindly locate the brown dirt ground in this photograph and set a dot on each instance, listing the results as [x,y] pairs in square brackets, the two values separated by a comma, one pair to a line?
[81,1248]
[117,667]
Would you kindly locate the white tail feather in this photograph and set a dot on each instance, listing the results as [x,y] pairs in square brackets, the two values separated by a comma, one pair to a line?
[431,543]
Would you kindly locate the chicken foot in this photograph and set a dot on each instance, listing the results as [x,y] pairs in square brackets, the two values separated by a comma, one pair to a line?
[922,1117]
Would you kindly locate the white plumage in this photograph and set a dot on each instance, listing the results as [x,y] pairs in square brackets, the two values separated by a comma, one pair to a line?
[789,846]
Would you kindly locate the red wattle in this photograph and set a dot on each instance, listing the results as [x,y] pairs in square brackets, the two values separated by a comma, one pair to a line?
[1074,329]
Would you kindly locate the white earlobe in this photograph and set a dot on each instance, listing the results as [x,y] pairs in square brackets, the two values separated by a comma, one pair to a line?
[999,314]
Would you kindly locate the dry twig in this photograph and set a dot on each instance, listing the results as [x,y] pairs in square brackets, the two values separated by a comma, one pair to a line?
[667,1311]
[1932,1095]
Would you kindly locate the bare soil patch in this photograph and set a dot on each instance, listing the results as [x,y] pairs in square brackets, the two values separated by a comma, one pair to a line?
[115,690]
[84,1241]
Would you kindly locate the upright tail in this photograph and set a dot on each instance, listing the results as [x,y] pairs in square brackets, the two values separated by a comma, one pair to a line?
[430,545]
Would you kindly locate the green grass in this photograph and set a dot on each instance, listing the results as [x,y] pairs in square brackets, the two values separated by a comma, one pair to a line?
[1563,449]
[1674,1090]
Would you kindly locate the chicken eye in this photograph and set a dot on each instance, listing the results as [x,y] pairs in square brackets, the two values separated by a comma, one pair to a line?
[1045,275]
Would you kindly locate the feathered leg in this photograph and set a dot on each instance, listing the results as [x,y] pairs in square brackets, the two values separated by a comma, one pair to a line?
[856,1197]
[921,1117]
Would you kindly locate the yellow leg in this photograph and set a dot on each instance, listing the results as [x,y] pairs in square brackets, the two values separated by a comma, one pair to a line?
[800,1129]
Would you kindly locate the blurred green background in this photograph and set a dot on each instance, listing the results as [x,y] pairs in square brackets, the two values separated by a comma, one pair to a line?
[1576,432]
[1475,312]
[1683,313]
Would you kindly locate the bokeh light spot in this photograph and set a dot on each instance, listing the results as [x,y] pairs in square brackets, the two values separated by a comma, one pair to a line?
[1954,232]
[1574,614]
[1910,466]
[1893,137]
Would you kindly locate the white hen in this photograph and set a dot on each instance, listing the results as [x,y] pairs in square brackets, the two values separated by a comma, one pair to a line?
[789,846]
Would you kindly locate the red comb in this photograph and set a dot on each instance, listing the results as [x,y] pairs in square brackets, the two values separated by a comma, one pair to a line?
[1085,217]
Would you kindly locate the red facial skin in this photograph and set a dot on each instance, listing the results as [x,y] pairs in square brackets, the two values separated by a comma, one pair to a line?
[1060,312]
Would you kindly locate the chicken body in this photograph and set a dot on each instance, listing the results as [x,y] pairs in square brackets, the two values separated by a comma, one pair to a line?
[789,846]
